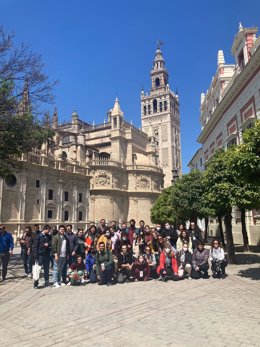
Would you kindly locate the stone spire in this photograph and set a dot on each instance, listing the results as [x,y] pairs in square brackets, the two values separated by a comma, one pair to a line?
[24,105]
[158,63]
[55,119]
[159,74]
[116,111]
[221,59]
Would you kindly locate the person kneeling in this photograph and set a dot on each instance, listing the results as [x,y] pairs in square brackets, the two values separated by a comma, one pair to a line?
[125,261]
[76,272]
[200,264]
[184,261]
[168,268]
[140,269]
[217,258]
[104,265]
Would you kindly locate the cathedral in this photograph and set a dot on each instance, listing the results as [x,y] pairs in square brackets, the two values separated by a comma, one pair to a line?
[87,172]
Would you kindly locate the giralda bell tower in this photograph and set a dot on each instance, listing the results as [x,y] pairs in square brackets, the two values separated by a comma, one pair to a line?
[161,119]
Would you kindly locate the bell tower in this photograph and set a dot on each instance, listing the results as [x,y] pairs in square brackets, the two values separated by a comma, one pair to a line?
[161,119]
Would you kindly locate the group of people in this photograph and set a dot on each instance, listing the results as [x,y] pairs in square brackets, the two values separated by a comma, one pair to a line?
[109,254]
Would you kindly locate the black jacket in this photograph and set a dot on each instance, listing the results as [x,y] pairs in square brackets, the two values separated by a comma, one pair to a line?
[187,258]
[172,234]
[125,258]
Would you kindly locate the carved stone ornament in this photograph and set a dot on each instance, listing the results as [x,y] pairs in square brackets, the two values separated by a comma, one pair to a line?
[102,179]
[143,183]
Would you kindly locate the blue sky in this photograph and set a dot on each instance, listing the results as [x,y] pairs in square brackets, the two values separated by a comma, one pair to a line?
[105,48]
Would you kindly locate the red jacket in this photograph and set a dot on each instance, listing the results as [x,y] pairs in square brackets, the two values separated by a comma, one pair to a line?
[162,263]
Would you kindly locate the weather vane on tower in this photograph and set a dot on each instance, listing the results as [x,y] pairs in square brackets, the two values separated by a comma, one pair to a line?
[159,44]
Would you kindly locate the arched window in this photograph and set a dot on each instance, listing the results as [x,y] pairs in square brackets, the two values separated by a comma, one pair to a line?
[104,155]
[154,105]
[157,82]
[64,155]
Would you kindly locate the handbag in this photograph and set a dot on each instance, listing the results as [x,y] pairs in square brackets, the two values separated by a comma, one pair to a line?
[36,271]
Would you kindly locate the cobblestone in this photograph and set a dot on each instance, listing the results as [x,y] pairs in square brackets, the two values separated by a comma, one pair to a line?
[187,313]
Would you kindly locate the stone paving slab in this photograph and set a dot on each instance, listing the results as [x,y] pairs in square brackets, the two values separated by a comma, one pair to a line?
[213,312]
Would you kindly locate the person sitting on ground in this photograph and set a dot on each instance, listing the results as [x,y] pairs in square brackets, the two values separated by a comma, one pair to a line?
[151,261]
[217,258]
[200,264]
[184,261]
[184,237]
[104,265]
[168,268]
[125,261]
[90,264]
[76,272]
[140,269]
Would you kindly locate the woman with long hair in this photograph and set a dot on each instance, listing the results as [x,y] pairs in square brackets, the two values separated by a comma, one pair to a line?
[183,238]
[168,268]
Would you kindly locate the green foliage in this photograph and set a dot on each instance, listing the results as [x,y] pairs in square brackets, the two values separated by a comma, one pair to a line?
[188,197]
[162,210]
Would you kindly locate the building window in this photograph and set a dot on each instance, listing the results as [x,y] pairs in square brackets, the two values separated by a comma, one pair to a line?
[154,105]
[49,214]
[10,180]
[149,109]
[232,142]
[37,202]
[37,183]
[145,110]
[165,105]
[80,197]
[80,215]
[66,215]
[157,82]
[66,196]
[50,194]
[200,161]
[64,155]
[160,105]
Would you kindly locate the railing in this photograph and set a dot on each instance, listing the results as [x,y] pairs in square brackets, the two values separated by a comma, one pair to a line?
[104,162]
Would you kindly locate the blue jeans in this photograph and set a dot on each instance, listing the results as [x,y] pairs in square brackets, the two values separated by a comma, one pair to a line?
[27,262]
[105,276]
[58,267]
[44,261]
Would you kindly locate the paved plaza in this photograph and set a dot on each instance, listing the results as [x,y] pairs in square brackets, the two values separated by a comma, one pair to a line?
[187,313]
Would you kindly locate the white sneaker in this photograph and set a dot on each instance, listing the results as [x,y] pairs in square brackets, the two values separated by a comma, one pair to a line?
[82,280]
[62,284]
[189,278]
[69,284]
[56,285]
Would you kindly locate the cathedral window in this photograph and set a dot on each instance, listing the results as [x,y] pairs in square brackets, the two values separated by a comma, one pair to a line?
[49,214]
[66,196]
[160,105]
[157,82]
[165,105]
[37,183]
[145,110]
[80,197]
[149,109]
[154,105]
[50,194]
[66,215]
[80,215]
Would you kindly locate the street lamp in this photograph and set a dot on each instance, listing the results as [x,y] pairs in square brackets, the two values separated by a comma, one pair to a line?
[175,175]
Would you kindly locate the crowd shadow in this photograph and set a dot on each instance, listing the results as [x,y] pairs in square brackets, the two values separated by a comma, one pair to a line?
[252,273]
[248,258]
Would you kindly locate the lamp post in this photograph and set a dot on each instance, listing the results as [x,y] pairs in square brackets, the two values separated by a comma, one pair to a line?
[175,175]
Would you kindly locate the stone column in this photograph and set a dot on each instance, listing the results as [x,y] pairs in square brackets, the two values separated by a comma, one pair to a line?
[43,194]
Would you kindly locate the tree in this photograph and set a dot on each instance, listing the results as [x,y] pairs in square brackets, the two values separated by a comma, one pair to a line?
[187,197]
[162,210]
[23,88]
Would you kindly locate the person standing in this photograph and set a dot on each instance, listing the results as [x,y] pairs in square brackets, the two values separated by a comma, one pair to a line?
[26,251]
[7,249]
[73,244]
[44,252]
[60,249]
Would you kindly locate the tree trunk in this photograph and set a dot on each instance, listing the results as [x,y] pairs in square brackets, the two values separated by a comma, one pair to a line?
[221,232]
[229,236]
[244,231]
[206,228]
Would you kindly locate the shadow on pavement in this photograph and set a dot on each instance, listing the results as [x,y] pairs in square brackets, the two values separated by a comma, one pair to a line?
[248,258]
[252,273]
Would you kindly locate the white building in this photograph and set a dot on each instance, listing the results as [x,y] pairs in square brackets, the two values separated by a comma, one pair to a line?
[230,106]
